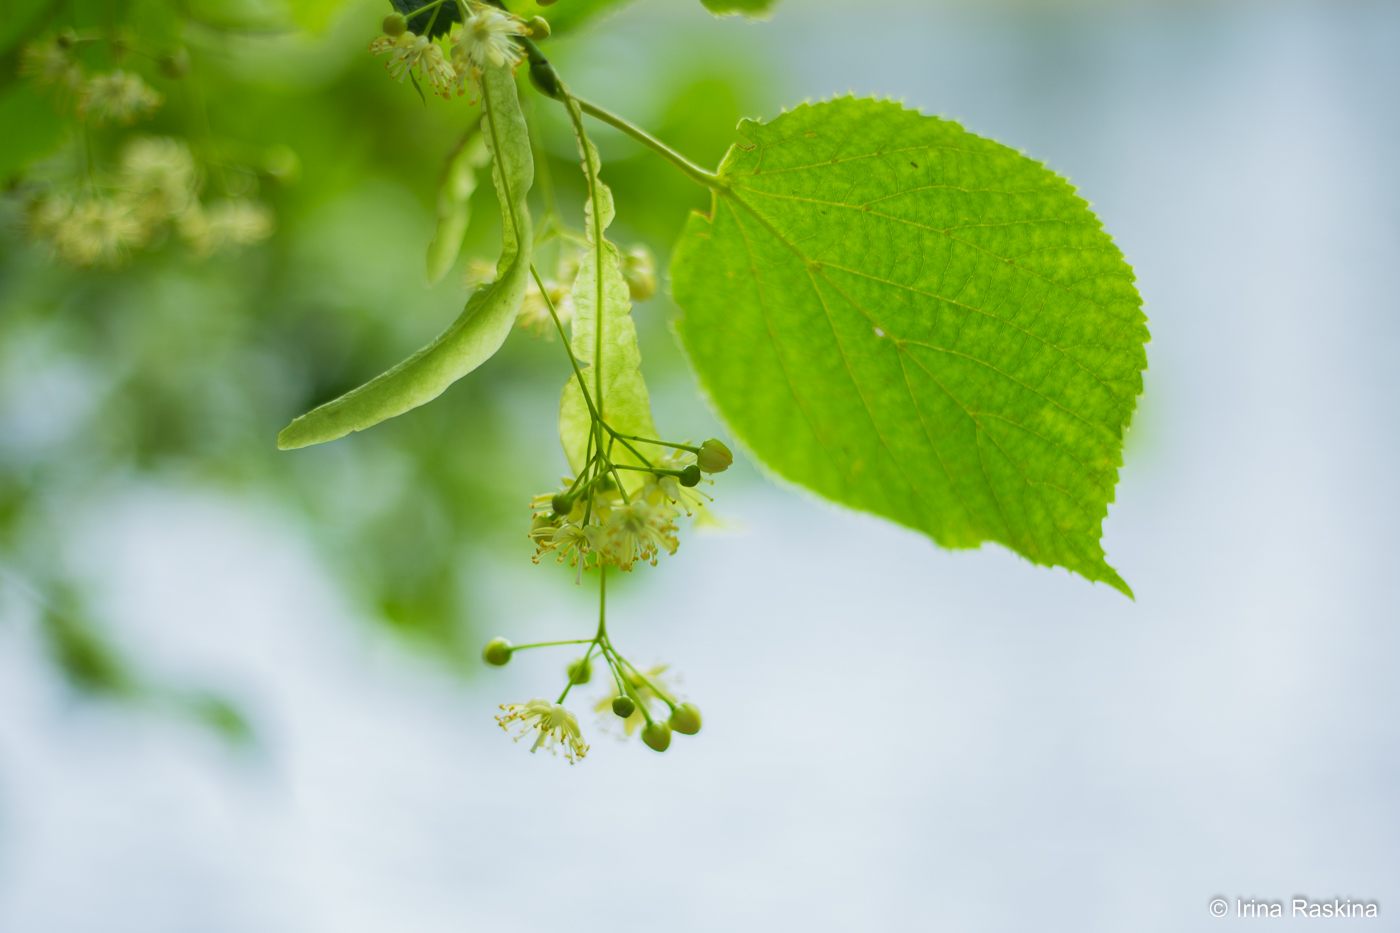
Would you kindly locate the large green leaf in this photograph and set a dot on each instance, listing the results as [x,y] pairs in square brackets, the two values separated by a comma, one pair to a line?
[918,322]
[604,337]
[485,322]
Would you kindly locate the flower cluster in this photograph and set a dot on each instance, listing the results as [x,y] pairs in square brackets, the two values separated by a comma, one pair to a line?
[603,527]
[51,64]
[156,186]
[485,39]
[554,727]
[117,97]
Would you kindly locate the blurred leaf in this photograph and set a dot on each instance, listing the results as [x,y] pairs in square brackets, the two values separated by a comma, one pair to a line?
[744,7]
[89,662]
[486,321]
[918,322]
[220,715]
[565,15]
[32,129]
[454,206]
[604,337]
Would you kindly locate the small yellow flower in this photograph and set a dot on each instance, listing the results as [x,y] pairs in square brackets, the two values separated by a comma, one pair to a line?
[534,312]
[555,726]
[485,39]
[225,224]
[119,97]
[94,230]
[159,174]
[409,53]
[51,64]
[639,530]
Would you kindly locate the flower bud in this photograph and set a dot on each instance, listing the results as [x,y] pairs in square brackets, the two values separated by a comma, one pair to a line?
[623,707]
[496,652]
[580,671]
[657,735]
[714,457]
[176,64]
[690,476]
[539,27]
[545,79]
[561,504]
[542,529]
[395,24]
[685,719]
[639,269]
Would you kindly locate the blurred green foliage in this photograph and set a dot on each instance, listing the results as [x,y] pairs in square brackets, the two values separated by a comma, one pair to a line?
[179,370]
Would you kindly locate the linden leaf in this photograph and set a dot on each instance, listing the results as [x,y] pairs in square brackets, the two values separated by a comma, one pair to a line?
[920,323]
[486,321]
[604,340]
[454,206]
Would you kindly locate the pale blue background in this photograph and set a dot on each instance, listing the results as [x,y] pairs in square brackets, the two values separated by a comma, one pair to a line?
[896,738]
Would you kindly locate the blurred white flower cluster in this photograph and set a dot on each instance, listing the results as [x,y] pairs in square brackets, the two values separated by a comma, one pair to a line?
[154,190]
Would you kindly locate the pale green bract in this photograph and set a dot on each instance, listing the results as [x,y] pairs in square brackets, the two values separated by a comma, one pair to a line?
[454,207]
[626,405]
[920,323]
[487,319]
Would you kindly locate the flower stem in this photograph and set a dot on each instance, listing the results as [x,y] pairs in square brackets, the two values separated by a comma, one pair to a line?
[666,698]
[548,644]
[647,440]
[693,171]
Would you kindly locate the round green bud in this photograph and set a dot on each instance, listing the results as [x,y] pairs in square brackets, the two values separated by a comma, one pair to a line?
[685,719]
[714,457]
[497,652]
[176,64]
[545,79]
[623,707]
[580,671]
[395,24]
[538,26]
[281,164]
[561,504]
[657,735]
[690,476]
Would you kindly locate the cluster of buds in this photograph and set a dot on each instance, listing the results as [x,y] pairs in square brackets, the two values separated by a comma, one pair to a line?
[485,39]
[595,523]
[643,701]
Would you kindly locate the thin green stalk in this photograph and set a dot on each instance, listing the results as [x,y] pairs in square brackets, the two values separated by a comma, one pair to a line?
[693,171]
[548,644]
[647,440]
[570,685]
[665,697]
[573,360]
